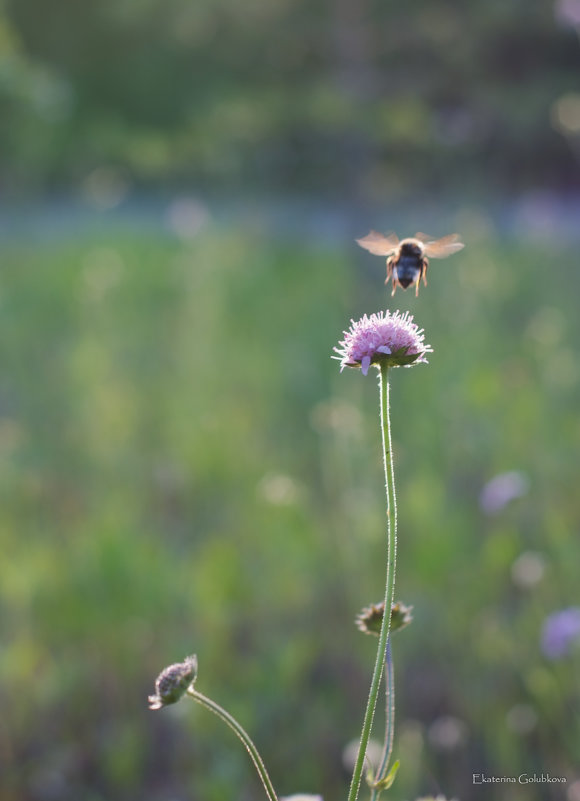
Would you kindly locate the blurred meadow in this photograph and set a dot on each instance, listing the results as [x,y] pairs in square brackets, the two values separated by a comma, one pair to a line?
[183,468]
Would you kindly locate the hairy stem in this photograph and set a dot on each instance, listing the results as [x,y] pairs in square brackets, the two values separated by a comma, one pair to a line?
[389,721]
[242,735]
[389,583]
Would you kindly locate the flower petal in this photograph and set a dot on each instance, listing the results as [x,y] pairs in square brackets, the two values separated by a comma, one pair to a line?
[389,338]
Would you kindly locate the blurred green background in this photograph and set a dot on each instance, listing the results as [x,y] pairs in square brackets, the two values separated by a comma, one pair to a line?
[182,466]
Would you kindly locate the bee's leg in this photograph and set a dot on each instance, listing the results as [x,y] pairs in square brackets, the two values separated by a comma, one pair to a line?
[424,270]
[391,276]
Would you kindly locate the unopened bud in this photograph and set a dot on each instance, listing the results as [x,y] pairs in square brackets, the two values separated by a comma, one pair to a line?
[173,682]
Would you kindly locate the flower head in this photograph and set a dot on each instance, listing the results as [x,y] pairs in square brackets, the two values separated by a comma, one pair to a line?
[370,619]
[173,682]
[561,631]
[384,338]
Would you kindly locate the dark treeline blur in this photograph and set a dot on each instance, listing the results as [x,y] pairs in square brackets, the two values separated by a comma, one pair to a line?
[353,96]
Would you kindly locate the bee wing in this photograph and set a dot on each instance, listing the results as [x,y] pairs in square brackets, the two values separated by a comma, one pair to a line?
[440,248]
[378,244]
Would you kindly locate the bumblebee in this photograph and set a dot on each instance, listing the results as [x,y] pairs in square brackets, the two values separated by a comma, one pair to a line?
[408,262]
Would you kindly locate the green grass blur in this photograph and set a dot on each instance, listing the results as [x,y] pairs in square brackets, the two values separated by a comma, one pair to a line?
[183,469]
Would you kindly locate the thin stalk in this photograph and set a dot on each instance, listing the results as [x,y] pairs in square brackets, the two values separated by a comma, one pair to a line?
[389,581]
[241,734]
[390,721]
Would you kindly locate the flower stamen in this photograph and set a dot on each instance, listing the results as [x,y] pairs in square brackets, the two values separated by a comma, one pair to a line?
[389,338]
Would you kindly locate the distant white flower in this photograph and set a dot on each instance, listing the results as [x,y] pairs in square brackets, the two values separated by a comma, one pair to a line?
[528,569]
[302,797]
[447,733]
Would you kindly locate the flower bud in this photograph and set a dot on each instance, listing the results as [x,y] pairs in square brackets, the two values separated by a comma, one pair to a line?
[173,682]
[371,618]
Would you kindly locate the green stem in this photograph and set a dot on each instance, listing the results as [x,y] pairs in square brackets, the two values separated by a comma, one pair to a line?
[389,721]
[243,736]
[389,582]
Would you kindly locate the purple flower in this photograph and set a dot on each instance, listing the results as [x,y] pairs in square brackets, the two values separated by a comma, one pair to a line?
[384,338]
[568,12]
[561,630]
[502,489]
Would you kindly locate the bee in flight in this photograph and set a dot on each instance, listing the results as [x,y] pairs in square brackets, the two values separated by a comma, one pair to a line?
[408,262]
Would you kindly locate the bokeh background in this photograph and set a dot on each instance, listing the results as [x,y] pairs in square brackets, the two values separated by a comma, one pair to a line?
[182,467]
